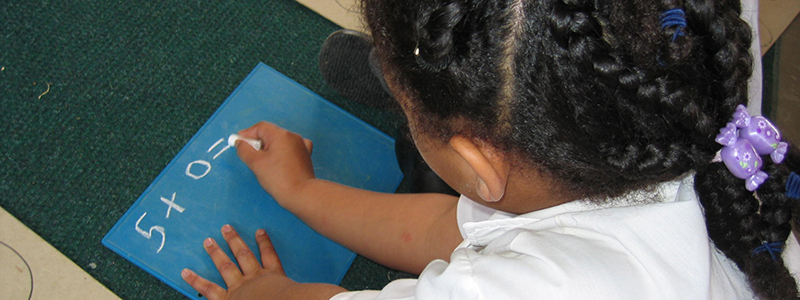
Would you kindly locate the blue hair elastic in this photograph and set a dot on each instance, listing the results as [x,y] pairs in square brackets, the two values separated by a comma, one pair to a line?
[793,186]
[674,17]
[773,249]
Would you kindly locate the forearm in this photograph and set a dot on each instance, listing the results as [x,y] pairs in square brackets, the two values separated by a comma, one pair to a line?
[401,231]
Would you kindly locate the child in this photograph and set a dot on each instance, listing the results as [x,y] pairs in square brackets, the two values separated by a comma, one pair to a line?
[581,136]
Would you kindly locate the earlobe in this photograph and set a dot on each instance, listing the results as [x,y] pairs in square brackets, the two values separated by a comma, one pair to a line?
[489,194]
[489,167]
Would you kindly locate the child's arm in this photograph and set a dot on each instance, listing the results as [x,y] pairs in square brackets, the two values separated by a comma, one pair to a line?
[401,231]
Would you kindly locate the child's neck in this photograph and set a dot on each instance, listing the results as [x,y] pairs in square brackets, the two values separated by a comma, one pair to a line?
[525,194]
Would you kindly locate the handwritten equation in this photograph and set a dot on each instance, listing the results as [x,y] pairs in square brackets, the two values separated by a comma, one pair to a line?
[195,170]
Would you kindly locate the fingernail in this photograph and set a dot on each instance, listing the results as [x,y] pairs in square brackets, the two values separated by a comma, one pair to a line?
[227,228]
[261,232]
[208,242]
[185,273]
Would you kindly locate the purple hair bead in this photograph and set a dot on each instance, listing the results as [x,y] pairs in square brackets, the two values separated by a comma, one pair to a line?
[728,135]
[779,153]
[744,140]
[764,136]
[741,117]
[744,162]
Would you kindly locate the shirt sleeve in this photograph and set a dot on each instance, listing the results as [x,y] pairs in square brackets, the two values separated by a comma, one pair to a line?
[402,289]
[439,281]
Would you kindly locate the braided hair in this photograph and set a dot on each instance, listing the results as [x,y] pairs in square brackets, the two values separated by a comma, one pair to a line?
[598,95]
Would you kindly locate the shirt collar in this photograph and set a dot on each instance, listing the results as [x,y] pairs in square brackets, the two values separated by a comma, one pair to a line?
[480,225]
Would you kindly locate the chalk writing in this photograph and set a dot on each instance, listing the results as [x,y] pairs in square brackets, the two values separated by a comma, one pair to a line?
[199,161]
[205,163]
[214,145]
[193,171]
[171,204]
[220,151]
[149,234]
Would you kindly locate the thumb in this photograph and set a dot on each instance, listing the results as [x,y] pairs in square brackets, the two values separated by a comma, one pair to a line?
[261,131]
[246,153]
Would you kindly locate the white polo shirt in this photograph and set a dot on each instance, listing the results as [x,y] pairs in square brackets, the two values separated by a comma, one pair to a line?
[646,246]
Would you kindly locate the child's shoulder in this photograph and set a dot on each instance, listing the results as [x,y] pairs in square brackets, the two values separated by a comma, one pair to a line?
[583,250]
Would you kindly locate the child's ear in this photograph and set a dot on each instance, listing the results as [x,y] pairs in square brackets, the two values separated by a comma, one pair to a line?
[487,163]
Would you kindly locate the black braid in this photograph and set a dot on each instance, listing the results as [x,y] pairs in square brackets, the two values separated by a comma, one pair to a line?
[735,221]
[737,228]
[629,72]
[435,36]
[776,208]
[792,163]
[730,211]
[600,98]
[738,225]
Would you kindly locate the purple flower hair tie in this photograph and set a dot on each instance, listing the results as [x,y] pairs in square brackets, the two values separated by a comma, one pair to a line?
[744,140]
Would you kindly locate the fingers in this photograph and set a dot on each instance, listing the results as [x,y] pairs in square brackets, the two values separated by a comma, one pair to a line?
[284,161]
[249,155]
[269,257]
[208,289]
[309,145]
[229,271]
[264,131]
[234,278]
[269,134]
[247,261]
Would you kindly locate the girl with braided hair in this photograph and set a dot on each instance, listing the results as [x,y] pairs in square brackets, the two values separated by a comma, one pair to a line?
[600,147]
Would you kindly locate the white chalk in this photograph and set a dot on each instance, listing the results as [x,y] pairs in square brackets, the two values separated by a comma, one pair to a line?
[253,142]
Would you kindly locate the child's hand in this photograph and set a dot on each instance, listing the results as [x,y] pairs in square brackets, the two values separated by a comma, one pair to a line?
[254,281]
[284,161]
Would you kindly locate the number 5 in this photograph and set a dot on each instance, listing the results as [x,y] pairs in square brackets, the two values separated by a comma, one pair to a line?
[148,234]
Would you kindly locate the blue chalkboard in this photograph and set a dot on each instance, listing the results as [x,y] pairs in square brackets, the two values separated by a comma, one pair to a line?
[207,186]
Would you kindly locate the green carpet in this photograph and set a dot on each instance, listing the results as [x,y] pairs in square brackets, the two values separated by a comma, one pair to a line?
[98,97]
